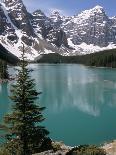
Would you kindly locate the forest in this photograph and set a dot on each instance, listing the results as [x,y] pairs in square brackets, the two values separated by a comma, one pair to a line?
[105,58]
[6,58]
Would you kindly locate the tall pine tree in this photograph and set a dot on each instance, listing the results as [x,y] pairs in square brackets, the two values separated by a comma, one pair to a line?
[25,134]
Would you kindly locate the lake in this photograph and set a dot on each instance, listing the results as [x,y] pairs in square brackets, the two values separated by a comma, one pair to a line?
[80,102]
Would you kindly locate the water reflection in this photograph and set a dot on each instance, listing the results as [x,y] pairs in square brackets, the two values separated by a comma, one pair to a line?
[78,87]
[71,87]
[79,100]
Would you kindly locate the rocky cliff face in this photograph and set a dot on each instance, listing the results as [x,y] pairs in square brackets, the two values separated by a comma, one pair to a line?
[56,36]
[18,15]
[6,27]
[56,19]
[17,26]
[91,27]
[40,22]
[90,31]
[49,28]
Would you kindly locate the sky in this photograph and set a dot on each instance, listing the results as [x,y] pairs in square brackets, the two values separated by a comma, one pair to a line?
[70,7]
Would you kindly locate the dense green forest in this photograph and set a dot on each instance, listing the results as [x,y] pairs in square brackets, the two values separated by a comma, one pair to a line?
[6,58]
[105,58]
[3,70]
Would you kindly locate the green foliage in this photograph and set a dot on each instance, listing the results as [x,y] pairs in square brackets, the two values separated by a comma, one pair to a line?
[56,146]
[46,145]
[50,58]
[104,58]
[7,56]
[3,70]
[13,147]
[86,150]
[24,134]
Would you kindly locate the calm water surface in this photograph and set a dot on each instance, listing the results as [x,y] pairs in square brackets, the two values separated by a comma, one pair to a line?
[80,101]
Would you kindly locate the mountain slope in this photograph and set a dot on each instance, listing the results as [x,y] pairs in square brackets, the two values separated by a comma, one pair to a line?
[7,56]
[88,32]
[17,27]
[91,27]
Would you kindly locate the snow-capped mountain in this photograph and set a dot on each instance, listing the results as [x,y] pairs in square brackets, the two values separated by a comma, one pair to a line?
[18,26]
[56,19]
[90,31]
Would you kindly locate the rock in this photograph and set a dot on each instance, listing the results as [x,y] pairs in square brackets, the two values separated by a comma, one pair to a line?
[59,148]
[18,26]
[110,148]
[57,37]
[91,27]
[51,153]
[56,19]
[90,31]
[19,16]
[49,28]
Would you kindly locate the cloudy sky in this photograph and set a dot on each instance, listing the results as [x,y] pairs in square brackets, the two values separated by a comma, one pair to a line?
[70,7]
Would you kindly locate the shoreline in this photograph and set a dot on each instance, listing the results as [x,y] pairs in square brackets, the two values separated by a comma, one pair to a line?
[108,147]
[47,63]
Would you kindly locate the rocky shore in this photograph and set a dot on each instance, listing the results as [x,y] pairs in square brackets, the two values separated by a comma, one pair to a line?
[61,148]
[110,149]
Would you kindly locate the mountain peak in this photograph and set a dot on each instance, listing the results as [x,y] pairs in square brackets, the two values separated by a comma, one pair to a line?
[11,3]
[55,12]
[98,7]
[89,31]
[55,16]
[91,12]
[38,13]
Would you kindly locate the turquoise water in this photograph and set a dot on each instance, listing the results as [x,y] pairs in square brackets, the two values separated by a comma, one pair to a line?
[80,102]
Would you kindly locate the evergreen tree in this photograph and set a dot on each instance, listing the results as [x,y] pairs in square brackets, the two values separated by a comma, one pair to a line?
[25,134]
[3,70]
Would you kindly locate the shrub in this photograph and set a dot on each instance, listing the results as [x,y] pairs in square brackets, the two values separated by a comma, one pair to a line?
[56,146]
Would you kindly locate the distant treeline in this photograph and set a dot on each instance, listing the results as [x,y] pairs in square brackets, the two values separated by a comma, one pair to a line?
[105,58]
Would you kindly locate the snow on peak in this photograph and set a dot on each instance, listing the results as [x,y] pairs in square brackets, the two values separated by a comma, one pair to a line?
[38,13]
[98,7]
[84,15]
[55,16]
[83,32]
[114,17]
[84,48]
[11,3]
[55,12]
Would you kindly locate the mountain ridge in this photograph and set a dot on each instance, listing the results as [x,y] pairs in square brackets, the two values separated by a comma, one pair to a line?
[90,31]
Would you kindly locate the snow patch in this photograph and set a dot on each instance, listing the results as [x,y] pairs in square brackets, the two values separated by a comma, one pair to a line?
[83,48]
